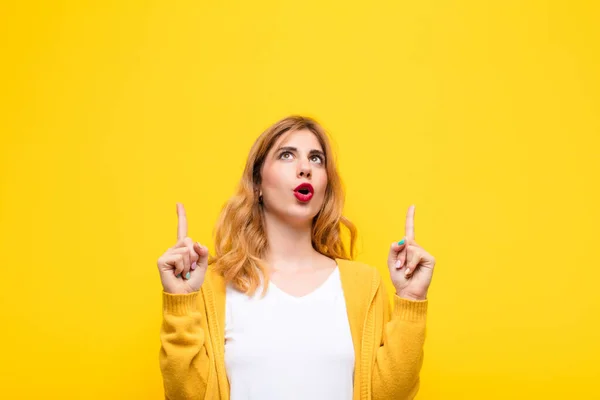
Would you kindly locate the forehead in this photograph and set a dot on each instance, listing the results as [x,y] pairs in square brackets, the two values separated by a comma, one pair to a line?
[302,139]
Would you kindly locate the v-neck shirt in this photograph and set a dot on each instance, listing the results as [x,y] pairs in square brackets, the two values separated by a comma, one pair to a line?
[287,347]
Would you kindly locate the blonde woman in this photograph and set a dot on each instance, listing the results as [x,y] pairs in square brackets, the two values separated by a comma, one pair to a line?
[280,311]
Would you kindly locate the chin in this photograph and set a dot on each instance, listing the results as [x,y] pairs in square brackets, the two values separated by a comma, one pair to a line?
[301,214]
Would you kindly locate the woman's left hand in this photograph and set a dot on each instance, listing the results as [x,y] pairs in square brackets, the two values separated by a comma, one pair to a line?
[411,267]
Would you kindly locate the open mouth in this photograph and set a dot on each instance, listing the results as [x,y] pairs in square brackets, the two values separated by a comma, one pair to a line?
[304,192]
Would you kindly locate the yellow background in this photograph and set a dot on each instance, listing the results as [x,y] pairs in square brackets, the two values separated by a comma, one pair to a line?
[483,114]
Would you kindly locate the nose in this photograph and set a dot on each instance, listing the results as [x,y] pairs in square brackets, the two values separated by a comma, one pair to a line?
[304,169]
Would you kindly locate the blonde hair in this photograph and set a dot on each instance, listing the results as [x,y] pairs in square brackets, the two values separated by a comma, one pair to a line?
[240,237]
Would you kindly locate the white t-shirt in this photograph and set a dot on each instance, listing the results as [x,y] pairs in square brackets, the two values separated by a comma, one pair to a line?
[283,347]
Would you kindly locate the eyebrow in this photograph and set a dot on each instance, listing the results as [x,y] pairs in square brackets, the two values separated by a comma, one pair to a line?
[310,153]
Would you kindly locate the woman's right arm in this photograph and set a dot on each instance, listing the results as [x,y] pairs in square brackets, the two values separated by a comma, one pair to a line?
[184,362]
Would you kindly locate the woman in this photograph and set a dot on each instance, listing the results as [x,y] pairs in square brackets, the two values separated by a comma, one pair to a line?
[281,312]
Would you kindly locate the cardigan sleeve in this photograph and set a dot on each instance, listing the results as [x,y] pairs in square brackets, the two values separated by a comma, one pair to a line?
[399,358]
[184,360]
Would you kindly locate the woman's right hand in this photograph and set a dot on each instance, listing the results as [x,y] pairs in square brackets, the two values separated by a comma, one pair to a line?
[182,267]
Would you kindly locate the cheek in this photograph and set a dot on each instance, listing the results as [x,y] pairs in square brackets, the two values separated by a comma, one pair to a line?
[321,182]
[281,178]
[275,178]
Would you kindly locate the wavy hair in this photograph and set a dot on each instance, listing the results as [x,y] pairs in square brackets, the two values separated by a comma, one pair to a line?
[240,237]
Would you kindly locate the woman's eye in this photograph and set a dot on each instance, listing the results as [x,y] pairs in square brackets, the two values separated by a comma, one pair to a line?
[286,155]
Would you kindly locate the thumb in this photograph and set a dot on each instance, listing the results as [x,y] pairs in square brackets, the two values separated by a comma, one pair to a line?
[202,252]
[196,279]
[396,251]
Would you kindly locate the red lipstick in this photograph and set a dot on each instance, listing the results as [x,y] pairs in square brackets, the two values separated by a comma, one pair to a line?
[304,192]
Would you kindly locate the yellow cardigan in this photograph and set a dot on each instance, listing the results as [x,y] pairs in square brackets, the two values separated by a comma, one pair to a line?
[388,338]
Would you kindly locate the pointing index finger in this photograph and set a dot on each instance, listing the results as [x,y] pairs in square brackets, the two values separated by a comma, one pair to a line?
[181,222]
[410,223]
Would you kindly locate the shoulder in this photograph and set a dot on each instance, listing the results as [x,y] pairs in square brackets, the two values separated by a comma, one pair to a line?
[359,269]
[359,278]
[214,281]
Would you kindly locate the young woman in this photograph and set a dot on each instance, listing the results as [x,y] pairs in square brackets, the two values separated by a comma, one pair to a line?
[281,311]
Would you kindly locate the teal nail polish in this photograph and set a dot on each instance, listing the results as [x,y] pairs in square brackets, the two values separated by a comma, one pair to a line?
[187,276]
[178,276]
[400,243]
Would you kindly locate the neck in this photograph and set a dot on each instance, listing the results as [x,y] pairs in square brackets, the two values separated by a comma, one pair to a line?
[289,246]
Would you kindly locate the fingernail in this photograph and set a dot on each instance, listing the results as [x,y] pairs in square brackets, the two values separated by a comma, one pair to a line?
[397,264]
[194,265]
[187,276]
[400,243]
[407,271]
[178,275]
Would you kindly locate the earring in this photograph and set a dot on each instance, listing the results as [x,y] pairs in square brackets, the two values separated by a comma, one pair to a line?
[260,199]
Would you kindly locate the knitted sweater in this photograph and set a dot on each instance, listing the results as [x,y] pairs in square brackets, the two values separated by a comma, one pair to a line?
[388,338]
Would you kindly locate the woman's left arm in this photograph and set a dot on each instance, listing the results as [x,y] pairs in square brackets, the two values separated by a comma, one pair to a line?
[400,357]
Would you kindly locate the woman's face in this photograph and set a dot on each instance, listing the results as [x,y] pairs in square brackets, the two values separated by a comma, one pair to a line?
[296,158]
